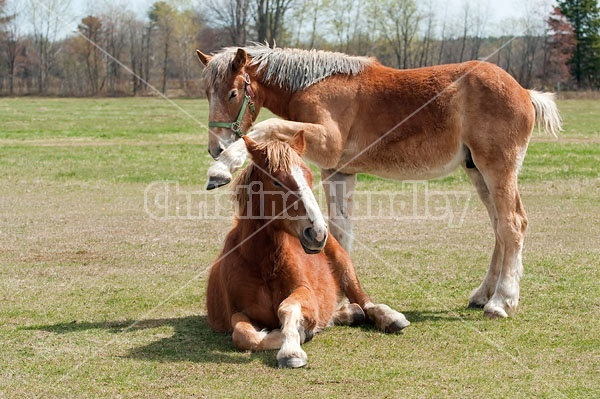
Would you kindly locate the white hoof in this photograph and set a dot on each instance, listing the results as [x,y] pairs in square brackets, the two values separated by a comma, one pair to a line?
[494,312]
[386,318]
[291,358]
[500,306]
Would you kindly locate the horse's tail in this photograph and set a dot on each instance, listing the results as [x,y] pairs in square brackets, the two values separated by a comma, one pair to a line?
[547,117]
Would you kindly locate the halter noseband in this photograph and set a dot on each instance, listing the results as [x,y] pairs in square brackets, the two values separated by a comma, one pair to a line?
[236,126]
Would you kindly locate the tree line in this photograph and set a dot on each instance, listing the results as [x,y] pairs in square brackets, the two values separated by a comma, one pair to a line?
[115,52]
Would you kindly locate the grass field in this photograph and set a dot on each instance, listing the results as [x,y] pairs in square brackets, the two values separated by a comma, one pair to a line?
[98,299]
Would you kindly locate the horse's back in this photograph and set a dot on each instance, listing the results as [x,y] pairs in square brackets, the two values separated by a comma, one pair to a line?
[414,123]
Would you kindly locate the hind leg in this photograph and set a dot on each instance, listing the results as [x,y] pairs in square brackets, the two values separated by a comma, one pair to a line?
[510,223]
[246,337]
[384,317]
[482,294]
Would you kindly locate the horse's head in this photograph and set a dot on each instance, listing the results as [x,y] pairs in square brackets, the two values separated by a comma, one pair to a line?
[230,93]
[284,191]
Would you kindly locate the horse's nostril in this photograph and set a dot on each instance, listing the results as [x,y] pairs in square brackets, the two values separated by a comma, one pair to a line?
[309,233]
[312,235]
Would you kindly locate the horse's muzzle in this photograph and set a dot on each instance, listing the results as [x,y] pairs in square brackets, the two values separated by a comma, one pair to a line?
[312,241]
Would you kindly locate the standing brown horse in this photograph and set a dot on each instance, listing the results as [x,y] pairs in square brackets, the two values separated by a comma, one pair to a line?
[278,270]
[360,116]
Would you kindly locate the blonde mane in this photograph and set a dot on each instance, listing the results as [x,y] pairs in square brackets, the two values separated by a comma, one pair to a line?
[288,68]
[280,157]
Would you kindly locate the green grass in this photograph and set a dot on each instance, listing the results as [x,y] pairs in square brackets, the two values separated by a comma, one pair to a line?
[97,299]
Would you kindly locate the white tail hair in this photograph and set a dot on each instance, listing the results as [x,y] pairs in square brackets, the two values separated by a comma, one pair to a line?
[547,117]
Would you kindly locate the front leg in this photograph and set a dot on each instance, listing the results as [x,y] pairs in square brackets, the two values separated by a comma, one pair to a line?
[339,192]
[384,317]
[297,317]
[323,146]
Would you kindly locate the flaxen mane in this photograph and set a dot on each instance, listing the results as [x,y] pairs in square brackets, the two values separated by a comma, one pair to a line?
[280,156]
[292,69]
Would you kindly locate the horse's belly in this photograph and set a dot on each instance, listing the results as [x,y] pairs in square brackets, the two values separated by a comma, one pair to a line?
[404,165]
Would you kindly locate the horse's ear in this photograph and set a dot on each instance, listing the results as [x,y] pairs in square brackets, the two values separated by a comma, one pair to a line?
[252,147]
[240,60]
[204,59]
[298,142]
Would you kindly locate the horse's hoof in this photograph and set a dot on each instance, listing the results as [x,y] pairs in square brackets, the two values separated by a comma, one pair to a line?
[475,305]
[495,312]
[291,362]
[396,326]
[216,182]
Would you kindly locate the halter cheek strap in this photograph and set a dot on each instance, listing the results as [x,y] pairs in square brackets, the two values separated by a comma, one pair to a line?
[236,126]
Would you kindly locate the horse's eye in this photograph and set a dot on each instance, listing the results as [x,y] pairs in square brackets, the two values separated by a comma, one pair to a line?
[233,94]
[277,183]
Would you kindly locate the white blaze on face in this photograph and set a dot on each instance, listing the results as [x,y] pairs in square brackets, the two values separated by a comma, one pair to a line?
[310,203]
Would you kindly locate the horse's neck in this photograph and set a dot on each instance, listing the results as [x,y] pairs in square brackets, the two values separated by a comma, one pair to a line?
[260,237]
[275,99]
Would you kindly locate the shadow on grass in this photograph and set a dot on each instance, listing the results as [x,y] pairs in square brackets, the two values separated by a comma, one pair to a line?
[192,340]
[432,316]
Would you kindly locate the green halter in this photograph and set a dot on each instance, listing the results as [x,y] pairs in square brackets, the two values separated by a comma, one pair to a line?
[236,126]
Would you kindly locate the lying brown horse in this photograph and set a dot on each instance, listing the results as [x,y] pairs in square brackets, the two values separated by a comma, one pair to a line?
[360,116]
[279,278]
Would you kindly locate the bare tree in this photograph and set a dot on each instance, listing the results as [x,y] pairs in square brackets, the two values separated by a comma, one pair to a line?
[12,41]
[135,31]
[90,29]
[46,21]
[115,28]
[398,23]
[465,27]
[163,17]
[186,28]
[269,17]
[443,35]
[308,18]
[425,52]
[232,15]
[340,17]
[533,32]
[479,22]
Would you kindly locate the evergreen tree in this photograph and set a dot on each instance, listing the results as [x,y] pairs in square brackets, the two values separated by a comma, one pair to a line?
[584,16]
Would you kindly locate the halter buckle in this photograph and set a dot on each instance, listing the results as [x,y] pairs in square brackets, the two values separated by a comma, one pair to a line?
[236,127]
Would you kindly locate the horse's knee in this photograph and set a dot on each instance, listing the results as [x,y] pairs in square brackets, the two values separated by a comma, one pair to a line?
[512,229]
[524,222]
[294,314]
